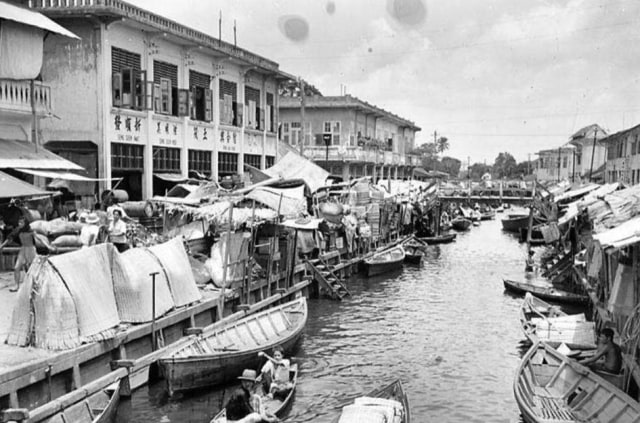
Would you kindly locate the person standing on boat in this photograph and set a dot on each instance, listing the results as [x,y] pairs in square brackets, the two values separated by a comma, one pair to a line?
[24,236]
[607,349]
[244,405]
[118,232]
[530,263]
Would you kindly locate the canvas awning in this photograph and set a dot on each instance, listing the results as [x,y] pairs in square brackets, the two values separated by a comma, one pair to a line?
[61,174]
[11,187]
[24,155]
[577,192]
[32,18]
[621,236]
[171,177]
[293,166]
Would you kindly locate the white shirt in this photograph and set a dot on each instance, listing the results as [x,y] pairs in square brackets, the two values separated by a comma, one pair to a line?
[89,235]
[118,232]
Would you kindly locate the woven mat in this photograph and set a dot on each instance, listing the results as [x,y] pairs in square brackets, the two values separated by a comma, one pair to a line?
[175,262]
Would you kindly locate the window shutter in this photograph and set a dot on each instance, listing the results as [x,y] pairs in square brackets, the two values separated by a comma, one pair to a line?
[192,103]
[116,89]
[267,119]
[183,102]
[261,119]
[139,90]
[150,96]
[127,87]
[165,96]
[157,98]
[208,105]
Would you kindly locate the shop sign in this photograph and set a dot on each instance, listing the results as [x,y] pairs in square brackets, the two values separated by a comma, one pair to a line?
[167,133]
[228,141]
[127,128]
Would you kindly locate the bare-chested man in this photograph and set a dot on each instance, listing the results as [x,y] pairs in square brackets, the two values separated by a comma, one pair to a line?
[607,349]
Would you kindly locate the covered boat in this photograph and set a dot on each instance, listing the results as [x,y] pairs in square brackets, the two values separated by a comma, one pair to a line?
[545,322]
[548,292]
[550,387]
[385,261]
[439,239]
[222,354]
[413,253]
[385,405]
[515,222]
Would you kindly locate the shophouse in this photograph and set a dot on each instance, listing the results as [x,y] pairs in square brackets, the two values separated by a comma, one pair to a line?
[623,156]
[350,137]
[26,100]
[151,101]
[556,164]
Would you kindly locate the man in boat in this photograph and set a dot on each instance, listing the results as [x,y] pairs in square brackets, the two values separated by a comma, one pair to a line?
[275,373]
[244,406]
[530,262]
[608,350]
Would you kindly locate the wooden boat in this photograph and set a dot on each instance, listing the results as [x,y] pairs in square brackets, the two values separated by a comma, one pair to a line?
[542,321]
[100,407]
[550,387]
[413,253]
[439,239]
[385,405]
[549,292]
[487,215]
[222,354]
[460,223]
[385,261]
[276,406]
[513,223]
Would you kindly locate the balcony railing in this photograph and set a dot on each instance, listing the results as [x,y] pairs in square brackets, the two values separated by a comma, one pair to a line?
[15,96]
[352,154]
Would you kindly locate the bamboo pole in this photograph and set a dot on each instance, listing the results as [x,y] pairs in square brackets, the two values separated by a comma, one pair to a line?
[225,264]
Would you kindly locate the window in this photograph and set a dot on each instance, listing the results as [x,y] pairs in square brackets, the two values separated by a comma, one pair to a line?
[230,109]
[269,161]
[255,115]
[253,160]
[199,161]
[333,128]
[128,81]
[227,164]
[200,97]
[578,159]
[285,133]
[269,118]
[167,75]
[127,157]
[166,159]
[565,160]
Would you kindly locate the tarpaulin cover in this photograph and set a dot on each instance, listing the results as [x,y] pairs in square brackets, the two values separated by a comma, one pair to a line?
[134,292]
[32,18]
[13,187]
[87,275]
[19,154]
[175,262]
[625,234]
[293,166]
[621,300]
[289,201]
[20,50]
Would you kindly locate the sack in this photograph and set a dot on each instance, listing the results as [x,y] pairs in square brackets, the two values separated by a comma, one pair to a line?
[40,227]
[67,241]
[59,227]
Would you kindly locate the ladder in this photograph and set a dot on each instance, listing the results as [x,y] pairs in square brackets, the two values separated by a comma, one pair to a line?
[329,281]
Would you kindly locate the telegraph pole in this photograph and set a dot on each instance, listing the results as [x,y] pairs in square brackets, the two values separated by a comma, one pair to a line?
[559,160]
[593,153]
[302,106]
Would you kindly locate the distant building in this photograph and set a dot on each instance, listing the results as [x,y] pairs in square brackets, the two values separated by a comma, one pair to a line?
[577,160]
[350,137]
[623,156]
[151,101]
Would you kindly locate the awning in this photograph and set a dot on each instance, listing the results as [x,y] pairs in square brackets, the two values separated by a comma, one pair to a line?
[61,174]
[11,187]
[576,192]
[294,166]
[23,155]
[171,177]
[32,18]
[626,234]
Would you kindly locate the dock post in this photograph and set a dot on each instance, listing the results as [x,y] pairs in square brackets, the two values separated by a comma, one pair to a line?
[153,310]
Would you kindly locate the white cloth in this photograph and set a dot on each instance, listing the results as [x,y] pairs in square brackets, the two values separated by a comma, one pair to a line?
[89,235]
[20,51]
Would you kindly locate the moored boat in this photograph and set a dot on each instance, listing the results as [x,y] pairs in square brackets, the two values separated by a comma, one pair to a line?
[515,222]
[222,354]
[460,223]
[542,321]
[273,406]
[547,292]
[439,239]
[413,253]
[487,214]
[385,405]
[552,388]
[385,261]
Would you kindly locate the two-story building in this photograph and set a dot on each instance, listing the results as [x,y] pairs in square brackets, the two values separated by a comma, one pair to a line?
[26,101]
[556,164]
[623,156]
[149,101]
[350,137]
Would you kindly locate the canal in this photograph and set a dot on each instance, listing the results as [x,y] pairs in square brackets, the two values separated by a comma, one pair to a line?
[445,327]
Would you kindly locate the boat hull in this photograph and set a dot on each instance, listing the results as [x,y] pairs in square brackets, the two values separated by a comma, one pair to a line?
[185,373]
[393,391]
[385,261]
[413,258]
[440,239]
[460,224]
[547,293]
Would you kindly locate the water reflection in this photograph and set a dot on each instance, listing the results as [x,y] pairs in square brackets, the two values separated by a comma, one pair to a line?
[446,327]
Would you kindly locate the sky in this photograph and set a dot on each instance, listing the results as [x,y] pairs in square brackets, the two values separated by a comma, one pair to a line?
[492,76]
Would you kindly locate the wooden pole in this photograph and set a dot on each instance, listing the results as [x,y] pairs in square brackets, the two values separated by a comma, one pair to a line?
[34,117]
[593,153]
[225,264]
[153,310]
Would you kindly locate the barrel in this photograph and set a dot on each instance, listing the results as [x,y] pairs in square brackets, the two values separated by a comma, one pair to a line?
[138,208]
[114,196]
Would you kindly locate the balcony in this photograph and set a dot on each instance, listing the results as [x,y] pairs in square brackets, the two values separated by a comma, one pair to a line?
[15,96]
[354,154]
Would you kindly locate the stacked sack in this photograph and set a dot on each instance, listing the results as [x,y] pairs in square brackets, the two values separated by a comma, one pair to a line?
[59,232]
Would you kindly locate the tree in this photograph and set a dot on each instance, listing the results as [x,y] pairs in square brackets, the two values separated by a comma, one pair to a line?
[428,149]
[442,145]
[504,166]
[451,166]
[478,170]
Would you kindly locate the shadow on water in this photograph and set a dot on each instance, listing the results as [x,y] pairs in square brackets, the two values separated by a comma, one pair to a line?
[445,327]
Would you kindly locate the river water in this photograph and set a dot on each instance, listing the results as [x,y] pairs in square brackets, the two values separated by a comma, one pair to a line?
[446,327]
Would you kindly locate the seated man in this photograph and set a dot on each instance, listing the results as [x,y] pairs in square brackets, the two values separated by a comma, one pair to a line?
[530,262]
[245,406]
[275,373]
[607,349]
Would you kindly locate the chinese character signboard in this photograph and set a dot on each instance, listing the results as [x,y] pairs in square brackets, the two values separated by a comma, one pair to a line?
[123,127]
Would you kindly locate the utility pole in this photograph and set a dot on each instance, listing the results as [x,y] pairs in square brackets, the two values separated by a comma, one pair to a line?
[593,153]
[529,164]
[559,160]
[435,136]
[302,106]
